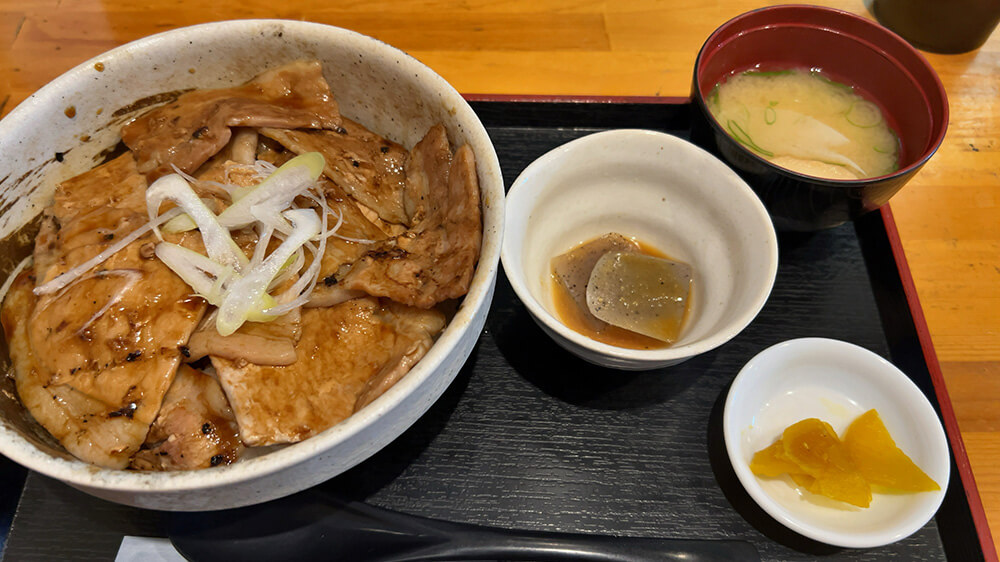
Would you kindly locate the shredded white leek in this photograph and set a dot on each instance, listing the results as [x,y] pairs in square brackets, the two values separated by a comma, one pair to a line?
[238,286]
[67,277]
[265,202]
[205,276]
[303,287]
[26,262]
[247,297]
[218,243]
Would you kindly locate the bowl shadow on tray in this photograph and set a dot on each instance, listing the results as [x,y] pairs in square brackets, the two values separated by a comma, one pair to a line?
[392,460]
[741,501]
[564,376]
[356,484]
[806,247]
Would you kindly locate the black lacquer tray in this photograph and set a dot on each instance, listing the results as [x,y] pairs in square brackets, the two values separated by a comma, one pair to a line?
[530,437]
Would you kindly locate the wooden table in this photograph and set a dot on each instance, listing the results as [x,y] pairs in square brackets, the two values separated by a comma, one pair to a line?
[947,216]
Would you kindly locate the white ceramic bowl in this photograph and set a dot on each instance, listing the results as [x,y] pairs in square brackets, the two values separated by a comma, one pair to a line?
[375,84]
[663,191]
[836,382]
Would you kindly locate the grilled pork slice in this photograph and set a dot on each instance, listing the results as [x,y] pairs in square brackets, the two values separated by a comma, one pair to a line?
[261,343]
[89,428]
[428,166]
[89,213]
[433,261]
[341,349]
[187,132]
[195,427]
[368,167]
[350,242]
[108,343]
[418,329]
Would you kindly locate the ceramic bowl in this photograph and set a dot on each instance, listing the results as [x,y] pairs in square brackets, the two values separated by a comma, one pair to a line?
[375,84]
[664,192]
[836,382]
[849,49]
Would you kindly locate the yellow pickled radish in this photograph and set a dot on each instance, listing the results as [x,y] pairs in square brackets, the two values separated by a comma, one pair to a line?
[817,460]
[849,487]
[814,447]
[766,462]
[880,461]
[803,480]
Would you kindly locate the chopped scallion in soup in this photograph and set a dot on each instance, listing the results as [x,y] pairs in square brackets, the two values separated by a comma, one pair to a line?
[803,121]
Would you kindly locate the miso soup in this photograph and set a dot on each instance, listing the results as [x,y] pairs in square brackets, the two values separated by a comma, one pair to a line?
[803,121]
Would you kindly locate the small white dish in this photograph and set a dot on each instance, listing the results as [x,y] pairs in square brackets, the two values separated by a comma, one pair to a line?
[663,191]
[836,382]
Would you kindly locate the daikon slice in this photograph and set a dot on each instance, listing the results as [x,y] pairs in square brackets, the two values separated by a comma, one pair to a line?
[572,270]
[645,294]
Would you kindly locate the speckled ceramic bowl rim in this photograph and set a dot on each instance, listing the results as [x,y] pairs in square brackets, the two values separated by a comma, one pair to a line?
[755,211]
[17,448]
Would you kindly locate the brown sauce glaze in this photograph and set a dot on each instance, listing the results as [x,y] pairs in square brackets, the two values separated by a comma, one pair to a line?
[570,314]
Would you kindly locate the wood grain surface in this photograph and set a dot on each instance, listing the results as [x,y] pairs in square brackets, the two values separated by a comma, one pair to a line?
[947,216]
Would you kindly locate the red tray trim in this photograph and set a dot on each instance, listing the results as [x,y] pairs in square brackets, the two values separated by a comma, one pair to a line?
[930,357]
[947,411]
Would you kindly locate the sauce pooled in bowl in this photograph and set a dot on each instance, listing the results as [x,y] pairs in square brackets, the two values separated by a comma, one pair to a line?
[621,292]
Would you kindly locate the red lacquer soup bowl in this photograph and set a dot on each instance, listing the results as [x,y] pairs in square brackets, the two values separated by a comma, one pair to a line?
[850,49]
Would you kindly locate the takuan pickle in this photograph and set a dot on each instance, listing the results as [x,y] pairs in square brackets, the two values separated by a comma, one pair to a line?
[880,461]
[816,459]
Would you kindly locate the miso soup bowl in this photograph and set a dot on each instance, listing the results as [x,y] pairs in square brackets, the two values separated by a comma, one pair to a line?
[847,48]
[376,85]
[660,190]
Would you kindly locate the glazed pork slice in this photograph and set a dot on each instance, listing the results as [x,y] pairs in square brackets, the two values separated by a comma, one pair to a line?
[341,349]
[429,165]
[194,429]
[435,260]
[415,330]
[187,132]
[89,428]
[111,337]
[88,212]
[261,343]
[368,167]
[351,241]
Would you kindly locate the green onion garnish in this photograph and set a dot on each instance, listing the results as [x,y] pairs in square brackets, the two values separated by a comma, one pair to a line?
[770,115]
[740,135]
